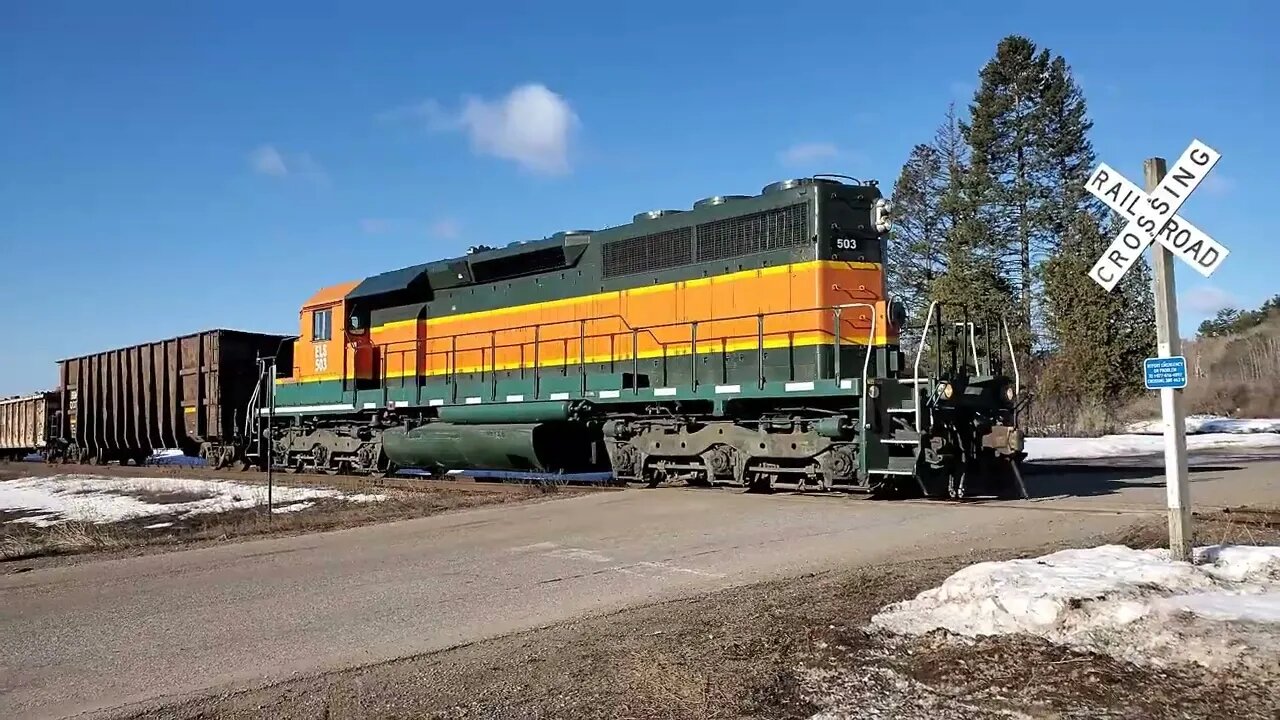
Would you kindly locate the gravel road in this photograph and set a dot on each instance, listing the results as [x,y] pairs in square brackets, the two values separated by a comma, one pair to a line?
[100,635]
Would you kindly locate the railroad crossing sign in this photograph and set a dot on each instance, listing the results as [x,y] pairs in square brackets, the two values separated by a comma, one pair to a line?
[1154,218]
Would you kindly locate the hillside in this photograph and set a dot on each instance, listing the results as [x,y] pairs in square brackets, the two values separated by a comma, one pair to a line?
[1235,366]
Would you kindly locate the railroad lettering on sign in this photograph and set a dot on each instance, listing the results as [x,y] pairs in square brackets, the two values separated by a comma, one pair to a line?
[1154,218]
[322,357]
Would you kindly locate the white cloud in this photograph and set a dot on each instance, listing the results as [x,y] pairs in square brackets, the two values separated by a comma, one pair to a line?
[269,160]
[531,126]
[808,153]
[1207,300]
[375,226]
[1219,184]
[445,229]
[429,112]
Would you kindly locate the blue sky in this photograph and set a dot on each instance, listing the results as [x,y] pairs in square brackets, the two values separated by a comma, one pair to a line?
[165,169]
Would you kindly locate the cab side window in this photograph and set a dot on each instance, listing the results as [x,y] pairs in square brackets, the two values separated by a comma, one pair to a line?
[321,325]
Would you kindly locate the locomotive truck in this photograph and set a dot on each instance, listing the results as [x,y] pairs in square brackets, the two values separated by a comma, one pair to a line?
[747,341]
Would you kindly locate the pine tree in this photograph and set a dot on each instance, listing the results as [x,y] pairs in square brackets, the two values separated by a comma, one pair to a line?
[941,248]
[1004,226]
[972,251]
[1099,339]
[915,241]
[1006,177]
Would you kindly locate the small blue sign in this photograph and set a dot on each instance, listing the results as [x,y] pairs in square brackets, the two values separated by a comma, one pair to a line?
[1165,372]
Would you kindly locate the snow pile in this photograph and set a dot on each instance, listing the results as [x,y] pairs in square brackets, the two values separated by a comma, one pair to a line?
[1203,424]
[1049,448]
[93,498]
[1136,605]
[174,457]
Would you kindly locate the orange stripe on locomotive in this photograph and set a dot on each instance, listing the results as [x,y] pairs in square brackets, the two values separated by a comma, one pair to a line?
[506,338]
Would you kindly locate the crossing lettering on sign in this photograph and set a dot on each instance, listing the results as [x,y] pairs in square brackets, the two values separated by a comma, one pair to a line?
[1154,218]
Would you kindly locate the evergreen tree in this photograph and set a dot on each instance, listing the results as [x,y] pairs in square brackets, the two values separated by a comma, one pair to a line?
[1004,226]
[1231,321]
[915,241]
[973,277]
[1007,174]
[1099,338]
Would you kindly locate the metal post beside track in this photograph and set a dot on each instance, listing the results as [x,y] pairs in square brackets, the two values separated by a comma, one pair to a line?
[760,348]
[693,355]
[582,355]
[835,313]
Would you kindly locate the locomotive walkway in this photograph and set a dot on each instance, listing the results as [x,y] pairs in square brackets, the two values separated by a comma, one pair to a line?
[102,635]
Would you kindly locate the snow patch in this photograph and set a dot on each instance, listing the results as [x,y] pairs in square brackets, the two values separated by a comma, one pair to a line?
[1203,424]
[173,457]
[1051,448]
[99,499]
[1136,605]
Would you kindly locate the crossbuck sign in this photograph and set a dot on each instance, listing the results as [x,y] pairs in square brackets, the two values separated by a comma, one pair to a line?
[1154,218]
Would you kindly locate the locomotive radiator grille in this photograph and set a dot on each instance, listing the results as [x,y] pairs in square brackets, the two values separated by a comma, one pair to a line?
[659,251]
[750,234]
[716,240]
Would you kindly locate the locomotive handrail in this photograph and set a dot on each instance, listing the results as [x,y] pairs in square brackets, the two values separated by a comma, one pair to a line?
[627,326]
[626,331]
[924,336]
[866,360]
[488,365]
[1013,359]
[915,376]
[839,333]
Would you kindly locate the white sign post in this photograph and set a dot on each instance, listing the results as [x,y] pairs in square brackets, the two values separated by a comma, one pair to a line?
[1152,218]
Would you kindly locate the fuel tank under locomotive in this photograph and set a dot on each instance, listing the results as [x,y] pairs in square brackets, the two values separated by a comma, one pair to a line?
[536,437]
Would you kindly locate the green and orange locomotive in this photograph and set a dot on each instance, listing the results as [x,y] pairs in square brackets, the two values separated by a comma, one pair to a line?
[747,341]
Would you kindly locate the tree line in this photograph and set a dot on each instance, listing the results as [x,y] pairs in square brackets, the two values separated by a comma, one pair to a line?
[992,213]
[1233,321]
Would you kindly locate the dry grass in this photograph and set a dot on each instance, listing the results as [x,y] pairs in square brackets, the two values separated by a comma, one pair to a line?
[660,686]
[27,541]
[1238,375]
[1233,526]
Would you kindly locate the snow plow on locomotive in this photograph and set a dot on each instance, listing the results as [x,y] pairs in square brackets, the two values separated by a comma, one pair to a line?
[747,341]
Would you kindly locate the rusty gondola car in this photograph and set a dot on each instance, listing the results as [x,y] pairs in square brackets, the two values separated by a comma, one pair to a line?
[28,425]
[189,393]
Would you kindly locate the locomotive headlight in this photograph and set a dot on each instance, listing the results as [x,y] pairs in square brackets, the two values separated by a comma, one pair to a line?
[945,390]
[881,212]
[1009,394]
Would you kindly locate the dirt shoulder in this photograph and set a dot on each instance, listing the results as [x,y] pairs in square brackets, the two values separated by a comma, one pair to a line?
[25,547]
[784,649]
